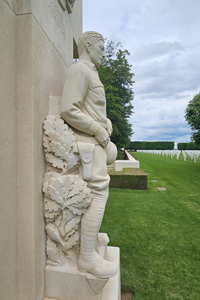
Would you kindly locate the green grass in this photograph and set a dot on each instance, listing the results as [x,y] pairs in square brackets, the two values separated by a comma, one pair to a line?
[158,232]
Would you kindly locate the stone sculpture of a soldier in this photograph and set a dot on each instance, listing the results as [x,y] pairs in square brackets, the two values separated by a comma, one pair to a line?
[83,107]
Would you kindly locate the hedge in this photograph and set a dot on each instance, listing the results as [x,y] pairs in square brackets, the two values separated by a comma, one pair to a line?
[188,146]
[142,145]
[134,179]
[121,155]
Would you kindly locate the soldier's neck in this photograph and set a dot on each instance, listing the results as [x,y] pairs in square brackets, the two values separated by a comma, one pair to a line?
[85,56]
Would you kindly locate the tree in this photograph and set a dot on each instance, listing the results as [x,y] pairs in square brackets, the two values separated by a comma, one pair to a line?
[192,116]
[117,78]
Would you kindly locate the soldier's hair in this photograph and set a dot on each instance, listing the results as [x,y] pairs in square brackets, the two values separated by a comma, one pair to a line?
[89,36]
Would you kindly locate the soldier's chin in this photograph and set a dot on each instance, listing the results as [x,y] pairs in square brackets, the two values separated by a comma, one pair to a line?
[98,64]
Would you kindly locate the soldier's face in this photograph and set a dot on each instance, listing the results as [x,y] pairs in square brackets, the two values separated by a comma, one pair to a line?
[97,53]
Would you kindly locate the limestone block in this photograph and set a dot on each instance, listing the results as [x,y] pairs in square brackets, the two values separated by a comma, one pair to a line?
[30,253]
[40,72]
[61,28]
[112,290]
[54,105]
[121,164]
[68,283]
[131,162]
[8,155]
[61,284]
[33,66]
[24,6]
[12,4]
[129,156]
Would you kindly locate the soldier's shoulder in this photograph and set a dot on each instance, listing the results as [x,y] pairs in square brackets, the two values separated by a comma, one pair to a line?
[78,67]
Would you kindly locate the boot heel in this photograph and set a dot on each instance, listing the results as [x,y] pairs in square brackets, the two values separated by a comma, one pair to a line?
[82,267]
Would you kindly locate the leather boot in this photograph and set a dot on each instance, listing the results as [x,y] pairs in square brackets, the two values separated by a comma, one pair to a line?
[89,259]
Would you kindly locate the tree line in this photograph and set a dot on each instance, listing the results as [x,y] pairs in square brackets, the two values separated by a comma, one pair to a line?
[117,78]
[192,116]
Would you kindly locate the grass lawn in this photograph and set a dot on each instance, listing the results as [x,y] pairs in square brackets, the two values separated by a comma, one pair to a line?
[158,232]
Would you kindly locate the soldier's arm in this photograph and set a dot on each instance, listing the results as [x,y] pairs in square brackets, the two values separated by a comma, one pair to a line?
[74,92]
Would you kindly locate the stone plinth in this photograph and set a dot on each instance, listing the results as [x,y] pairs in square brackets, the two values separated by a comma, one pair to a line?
[68,283]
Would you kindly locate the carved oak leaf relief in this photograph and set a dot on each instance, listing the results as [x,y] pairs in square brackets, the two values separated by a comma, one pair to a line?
[66,195]
[59,145]
[72,225]
[56,162]
[53,253]
[66,199]
[52,210]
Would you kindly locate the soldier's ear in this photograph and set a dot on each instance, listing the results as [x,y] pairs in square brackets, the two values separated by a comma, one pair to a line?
[88,47]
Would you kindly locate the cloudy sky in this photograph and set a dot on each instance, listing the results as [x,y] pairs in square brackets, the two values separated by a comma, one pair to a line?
[163,37]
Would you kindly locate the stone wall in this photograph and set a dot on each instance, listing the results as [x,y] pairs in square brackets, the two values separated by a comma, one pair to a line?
[8,154]
[37,39]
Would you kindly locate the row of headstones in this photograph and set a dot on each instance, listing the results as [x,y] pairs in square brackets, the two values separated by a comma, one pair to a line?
[192,154]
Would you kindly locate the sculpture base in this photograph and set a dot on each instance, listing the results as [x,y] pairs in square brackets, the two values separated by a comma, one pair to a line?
[68,283]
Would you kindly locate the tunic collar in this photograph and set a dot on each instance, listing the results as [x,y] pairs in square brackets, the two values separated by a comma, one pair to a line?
[89,64]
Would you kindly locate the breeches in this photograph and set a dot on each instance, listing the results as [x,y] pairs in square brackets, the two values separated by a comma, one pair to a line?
[100,179]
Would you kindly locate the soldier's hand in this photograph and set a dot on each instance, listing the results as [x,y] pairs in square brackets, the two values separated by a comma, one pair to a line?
[102,137]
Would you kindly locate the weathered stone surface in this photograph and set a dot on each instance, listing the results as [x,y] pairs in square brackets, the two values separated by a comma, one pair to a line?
[60,27]
[60,282]
[37,63]
[13,5]
[76,269]
[33,66]
[8,155]
[83,107]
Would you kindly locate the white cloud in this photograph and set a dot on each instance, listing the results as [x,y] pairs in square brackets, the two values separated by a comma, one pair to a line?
[157,120]
[164,42]
[157,51]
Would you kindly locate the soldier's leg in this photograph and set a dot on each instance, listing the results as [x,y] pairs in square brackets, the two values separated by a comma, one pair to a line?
[91,221]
